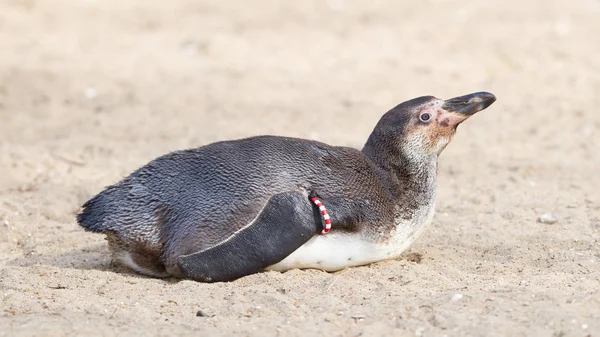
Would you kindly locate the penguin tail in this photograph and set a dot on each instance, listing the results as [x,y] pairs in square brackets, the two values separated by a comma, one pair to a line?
[96,214]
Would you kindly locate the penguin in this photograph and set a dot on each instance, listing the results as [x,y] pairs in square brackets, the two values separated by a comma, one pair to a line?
[233,208]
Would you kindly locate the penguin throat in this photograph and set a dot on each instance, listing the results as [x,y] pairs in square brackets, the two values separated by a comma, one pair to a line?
[413,190]
[412,187]
[410,175]
[408,172]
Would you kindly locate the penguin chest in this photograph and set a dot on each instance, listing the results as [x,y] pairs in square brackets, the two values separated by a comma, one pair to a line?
[339,250]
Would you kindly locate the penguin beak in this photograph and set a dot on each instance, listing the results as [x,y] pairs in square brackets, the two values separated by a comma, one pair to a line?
[458,109]
[469,104]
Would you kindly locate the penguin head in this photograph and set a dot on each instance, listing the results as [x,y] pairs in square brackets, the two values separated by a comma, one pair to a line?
[425,125]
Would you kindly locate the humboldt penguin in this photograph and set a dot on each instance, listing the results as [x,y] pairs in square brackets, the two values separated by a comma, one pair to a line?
[233,208]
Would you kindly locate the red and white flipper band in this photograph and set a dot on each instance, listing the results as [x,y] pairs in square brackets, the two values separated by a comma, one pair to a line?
[324,215]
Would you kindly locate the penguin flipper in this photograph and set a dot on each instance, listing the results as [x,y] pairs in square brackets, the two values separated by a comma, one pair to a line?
[286,222]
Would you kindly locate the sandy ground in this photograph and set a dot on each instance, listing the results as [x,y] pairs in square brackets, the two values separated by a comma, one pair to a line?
[91,90]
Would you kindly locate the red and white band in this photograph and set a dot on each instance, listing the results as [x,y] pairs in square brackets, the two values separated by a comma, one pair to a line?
[324,215]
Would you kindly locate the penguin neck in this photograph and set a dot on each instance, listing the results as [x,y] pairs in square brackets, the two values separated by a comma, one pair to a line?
[410,177]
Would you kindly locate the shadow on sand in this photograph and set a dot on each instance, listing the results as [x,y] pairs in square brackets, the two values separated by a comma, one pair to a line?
[92,257]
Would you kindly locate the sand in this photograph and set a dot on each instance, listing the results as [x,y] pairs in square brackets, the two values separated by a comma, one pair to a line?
[91,90]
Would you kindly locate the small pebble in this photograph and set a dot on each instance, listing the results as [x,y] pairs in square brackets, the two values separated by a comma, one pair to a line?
[90,93]
[456,297]
[358,318]
[199,313]
[548,219]
[189,47]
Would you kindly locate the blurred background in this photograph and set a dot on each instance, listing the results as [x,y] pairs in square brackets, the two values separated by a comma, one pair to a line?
[91,90]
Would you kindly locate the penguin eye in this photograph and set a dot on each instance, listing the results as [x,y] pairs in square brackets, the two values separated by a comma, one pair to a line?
[425,117]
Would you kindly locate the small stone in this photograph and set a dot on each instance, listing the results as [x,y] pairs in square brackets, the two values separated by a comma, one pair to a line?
[358,318]
[189,47]
[90,93]
[199,313]
[457,297]
[548,219]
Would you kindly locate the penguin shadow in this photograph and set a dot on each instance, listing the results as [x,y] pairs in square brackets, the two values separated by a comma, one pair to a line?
[92,257]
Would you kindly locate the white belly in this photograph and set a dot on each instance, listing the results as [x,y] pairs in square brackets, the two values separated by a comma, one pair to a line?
[339,250]
[332,252]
